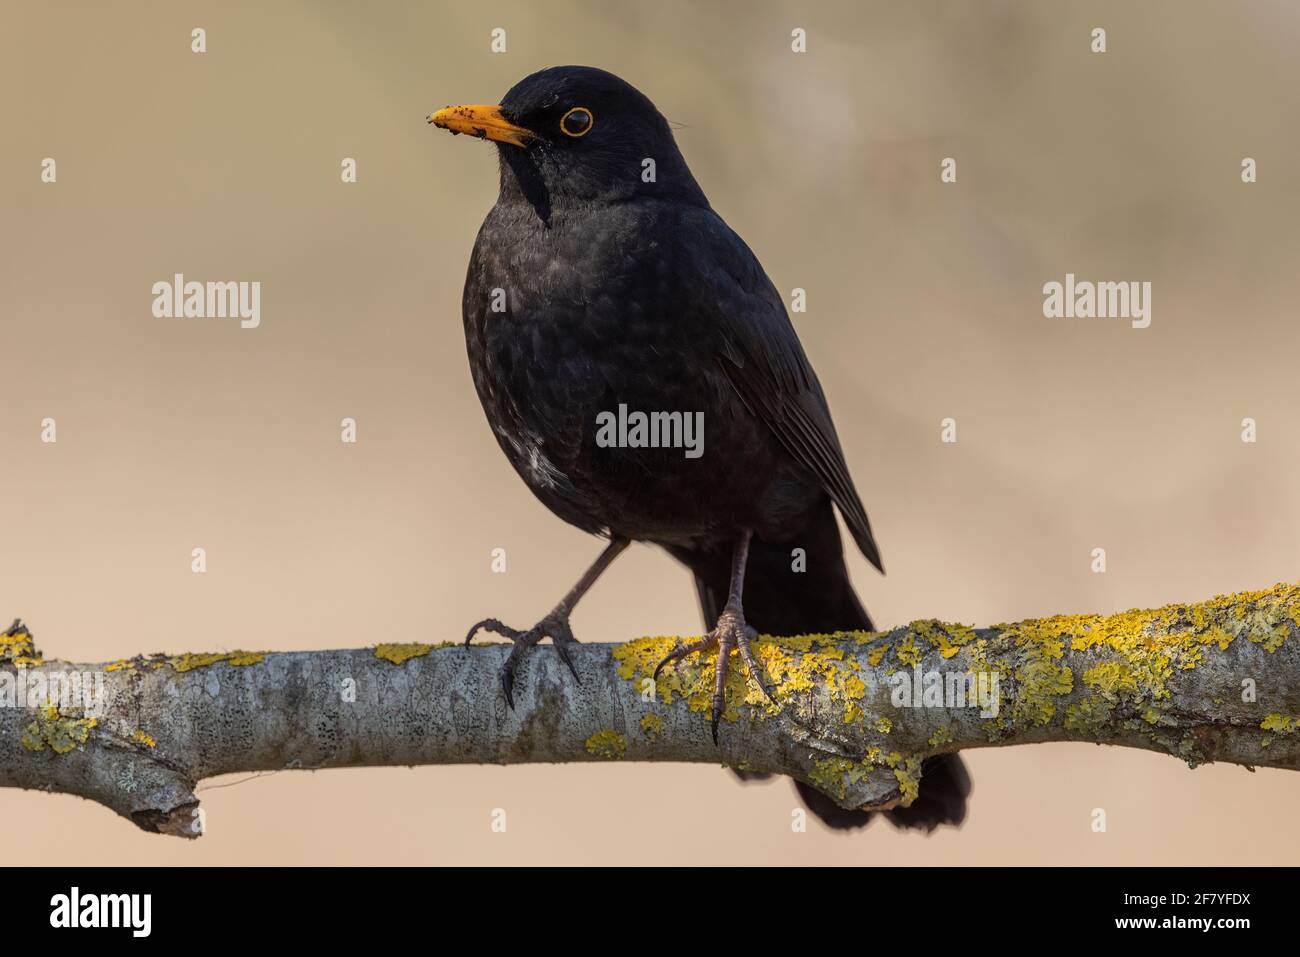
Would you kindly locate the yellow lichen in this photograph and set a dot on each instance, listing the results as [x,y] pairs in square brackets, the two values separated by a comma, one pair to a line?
[792,665]
[1089,672]
[827,776]
[146,739]
[1088,714]
[907,651]
[864,637]
[16,647]
[1109,678]
[59,732]
[1280,723]
[909,782]
[190,661]
[1141,650]
[652,725]
[1040,683]
[946,638]
[833,776]
[607,744]
[1216,636]
[398,653]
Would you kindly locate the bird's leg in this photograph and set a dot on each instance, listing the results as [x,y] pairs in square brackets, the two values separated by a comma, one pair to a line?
[554,626]
[730,632]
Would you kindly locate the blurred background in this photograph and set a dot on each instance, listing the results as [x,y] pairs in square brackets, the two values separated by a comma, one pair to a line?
[924,302]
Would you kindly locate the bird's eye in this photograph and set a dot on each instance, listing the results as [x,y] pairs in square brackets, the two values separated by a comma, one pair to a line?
[577,122]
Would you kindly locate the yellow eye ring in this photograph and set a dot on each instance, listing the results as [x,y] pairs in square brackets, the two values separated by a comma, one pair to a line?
[564,122]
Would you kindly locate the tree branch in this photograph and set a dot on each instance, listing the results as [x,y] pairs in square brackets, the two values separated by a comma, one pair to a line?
[857,714]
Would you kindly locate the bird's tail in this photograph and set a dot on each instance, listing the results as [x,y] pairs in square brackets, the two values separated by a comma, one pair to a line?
[802,587]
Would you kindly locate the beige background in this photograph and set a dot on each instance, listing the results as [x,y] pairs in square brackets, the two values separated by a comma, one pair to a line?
[924,302]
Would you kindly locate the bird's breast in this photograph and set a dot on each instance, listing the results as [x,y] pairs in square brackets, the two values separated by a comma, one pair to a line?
[605,398]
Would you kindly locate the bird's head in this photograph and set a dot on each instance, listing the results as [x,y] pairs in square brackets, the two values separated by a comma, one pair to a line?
[575,134]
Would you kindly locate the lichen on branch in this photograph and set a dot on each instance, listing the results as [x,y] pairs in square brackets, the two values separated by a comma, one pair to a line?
[855,714]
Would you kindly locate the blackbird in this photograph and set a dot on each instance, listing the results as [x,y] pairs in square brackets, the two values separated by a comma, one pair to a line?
[603,291]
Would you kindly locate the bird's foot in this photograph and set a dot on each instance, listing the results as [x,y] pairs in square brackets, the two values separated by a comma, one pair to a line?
[554,626]
[730,632]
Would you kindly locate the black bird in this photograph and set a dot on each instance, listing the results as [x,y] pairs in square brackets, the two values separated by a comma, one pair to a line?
[602,282]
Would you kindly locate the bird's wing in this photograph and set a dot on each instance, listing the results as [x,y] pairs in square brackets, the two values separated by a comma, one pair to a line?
[761,355]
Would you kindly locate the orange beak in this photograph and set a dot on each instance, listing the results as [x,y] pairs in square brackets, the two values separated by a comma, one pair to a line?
[485,122]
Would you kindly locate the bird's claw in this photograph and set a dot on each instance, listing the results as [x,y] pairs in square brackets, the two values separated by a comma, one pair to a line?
[730,632]
[554,626]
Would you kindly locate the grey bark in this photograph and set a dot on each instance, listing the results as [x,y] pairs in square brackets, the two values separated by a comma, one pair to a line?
[1208,682]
